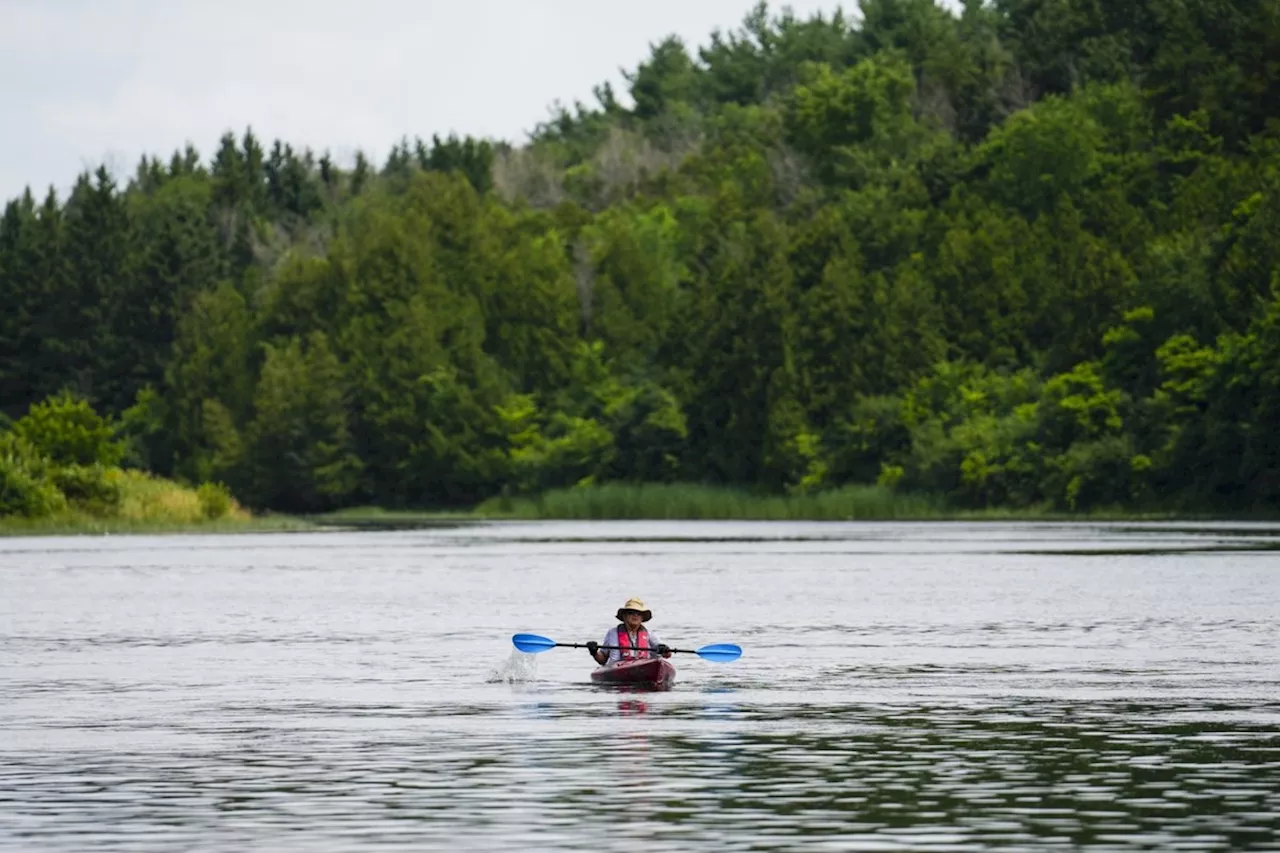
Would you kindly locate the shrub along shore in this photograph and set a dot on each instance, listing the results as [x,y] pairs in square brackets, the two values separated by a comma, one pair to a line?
[61,471]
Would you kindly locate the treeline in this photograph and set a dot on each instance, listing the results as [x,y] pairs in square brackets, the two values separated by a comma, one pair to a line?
[1022,255]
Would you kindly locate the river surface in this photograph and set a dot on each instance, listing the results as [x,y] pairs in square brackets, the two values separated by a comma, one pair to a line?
[926,686]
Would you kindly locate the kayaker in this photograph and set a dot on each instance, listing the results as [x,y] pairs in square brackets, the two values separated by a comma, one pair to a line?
[630,638]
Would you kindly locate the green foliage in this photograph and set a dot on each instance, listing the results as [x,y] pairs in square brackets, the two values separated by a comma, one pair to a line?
[1079,407]
[858,445]
[298,452]
[145,429]
[473,158]
[1019,253]
[1043,154]
[53,483]
[974,436]
[93,488]
[668,78]
[1105,473]
[68,431]
[601,428]
[561,450]
[23,494]
[177,259]
[26,249]
[25,486]
[840,119]
[987,283]
[649,431]
[629,270]
[215,500]
[689,501]
[1185,372]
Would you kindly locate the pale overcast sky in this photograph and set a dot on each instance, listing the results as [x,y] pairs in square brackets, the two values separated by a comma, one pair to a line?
[83,82]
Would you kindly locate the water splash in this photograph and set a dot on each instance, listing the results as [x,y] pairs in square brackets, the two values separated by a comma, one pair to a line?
[517,669]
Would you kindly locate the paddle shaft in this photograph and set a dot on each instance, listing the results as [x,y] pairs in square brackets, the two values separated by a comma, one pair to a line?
[619,648]
[718,652]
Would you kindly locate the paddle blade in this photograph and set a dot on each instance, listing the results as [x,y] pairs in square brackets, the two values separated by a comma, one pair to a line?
[532,643]
[720,652]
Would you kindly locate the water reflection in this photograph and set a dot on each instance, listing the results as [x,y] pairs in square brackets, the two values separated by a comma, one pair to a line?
[1123,776]
[922,687]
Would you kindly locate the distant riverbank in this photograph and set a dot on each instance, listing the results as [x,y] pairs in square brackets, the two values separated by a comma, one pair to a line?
[174,510]
[659,501]
[79,525]
[698,502]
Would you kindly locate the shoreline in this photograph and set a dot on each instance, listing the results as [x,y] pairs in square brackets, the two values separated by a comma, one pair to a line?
[390,520]
[13,528]
[620,502]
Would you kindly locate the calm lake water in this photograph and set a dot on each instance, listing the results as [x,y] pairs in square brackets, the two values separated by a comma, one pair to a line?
[933,686]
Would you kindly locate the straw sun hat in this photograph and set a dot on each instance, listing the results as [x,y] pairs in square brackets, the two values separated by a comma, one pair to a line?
[637,605]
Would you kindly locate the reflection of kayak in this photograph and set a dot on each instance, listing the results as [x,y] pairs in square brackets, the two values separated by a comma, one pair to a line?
[655,672]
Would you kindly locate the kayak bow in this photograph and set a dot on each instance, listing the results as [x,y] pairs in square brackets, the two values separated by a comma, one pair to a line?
[642,672]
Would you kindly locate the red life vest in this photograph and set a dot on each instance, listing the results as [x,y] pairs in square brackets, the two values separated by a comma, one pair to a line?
[641,649]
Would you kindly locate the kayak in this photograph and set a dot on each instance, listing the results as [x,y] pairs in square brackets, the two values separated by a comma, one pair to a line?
[649,672]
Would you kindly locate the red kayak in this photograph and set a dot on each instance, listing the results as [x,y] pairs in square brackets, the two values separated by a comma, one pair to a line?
[646,672]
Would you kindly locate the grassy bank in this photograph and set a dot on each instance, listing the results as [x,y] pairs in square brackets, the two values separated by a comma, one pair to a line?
[136,502]
[151,505]
[377,518]
[694,502]
[81,524]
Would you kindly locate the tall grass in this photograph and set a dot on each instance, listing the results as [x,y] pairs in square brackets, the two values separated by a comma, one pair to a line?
[144,503]
[378,518]
[677,501]
[77,524]
[147,498]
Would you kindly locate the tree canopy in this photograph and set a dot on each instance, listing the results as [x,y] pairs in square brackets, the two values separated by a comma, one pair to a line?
[1025,253]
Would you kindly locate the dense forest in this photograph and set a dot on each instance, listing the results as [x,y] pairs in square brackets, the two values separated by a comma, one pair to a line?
[1026,253]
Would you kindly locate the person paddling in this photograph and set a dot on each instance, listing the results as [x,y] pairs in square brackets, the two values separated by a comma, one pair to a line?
[630,639]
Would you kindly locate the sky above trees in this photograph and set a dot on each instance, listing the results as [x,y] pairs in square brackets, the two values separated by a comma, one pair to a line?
[90,83]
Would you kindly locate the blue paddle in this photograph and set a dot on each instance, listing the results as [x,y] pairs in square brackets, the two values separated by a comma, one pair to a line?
[718,652]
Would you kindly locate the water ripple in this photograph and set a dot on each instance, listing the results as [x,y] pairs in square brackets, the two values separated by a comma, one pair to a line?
[358,691]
